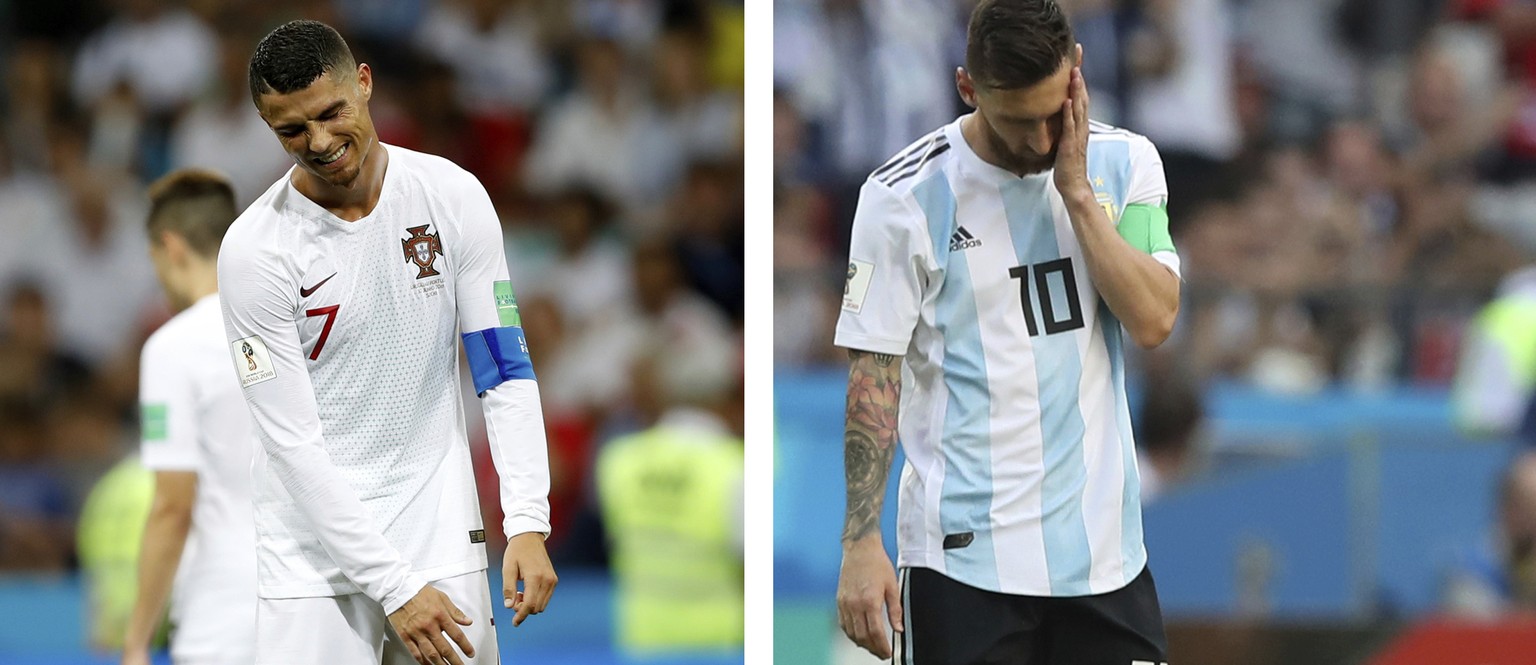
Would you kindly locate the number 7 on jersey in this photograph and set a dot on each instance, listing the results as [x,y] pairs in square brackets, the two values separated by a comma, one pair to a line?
[330,319]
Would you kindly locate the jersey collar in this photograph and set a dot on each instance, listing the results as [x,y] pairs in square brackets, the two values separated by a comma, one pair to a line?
[301,203]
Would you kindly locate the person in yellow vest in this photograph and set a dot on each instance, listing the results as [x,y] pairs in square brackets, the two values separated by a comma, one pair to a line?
[1496,376]
[109,533]
[671,505]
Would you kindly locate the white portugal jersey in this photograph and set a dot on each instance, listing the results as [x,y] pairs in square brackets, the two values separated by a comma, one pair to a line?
[345,336]
[194,419]
[1021,472]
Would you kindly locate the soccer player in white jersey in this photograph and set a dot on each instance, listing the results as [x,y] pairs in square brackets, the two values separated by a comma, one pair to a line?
[995,265]
[348,287]
[199,543]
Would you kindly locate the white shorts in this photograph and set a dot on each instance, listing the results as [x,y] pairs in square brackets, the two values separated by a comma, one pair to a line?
[213,622]
[215,639]
[353,630]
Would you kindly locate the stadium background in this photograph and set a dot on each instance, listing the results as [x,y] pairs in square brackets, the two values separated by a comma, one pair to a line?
[608,133]
[1350,183]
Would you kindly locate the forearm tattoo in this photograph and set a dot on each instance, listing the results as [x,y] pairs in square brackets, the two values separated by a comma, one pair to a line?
[869,444]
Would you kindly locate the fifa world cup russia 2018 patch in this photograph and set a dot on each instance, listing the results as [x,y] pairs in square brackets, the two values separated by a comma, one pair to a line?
[857,286]
[422,249]
[252,361]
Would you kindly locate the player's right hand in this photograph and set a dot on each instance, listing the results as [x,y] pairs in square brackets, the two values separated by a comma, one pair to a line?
[868,596]
[422,622]
[135,657]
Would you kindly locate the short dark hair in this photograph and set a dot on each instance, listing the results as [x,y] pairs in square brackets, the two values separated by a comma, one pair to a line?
[1013,44]
[196,204]
[295,55]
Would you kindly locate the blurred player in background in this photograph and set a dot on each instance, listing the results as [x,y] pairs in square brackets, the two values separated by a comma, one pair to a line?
[999,258]
[199,542]
[345,286]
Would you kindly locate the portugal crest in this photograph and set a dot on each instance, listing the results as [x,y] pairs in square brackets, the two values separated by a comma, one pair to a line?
[422,249]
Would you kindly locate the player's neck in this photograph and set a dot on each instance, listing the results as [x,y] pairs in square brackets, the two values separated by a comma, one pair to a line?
[198,282]
[203,290]
[352,201]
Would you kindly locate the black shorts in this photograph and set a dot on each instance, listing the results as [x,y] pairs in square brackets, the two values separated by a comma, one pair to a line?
[949,623]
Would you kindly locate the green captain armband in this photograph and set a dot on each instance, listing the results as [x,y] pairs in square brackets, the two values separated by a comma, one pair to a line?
[1145,226]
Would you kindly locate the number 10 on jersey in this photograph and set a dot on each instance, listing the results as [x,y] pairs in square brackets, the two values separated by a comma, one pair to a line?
[1043,274]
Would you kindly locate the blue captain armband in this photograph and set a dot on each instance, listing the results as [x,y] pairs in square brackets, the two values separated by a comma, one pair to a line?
[497,355]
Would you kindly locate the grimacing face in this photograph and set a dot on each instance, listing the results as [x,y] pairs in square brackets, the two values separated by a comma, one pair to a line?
[1022,125]
[325,127]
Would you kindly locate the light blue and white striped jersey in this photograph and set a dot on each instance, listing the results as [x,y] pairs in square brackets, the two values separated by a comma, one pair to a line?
[1021,471]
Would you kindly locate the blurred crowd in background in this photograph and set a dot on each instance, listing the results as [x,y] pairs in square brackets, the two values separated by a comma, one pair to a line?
[608,133]
[1346,177]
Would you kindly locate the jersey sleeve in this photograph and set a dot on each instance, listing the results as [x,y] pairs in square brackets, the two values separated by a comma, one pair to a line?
[497,354]
[259,319]
[1144,222]
[167,408]
[884,287]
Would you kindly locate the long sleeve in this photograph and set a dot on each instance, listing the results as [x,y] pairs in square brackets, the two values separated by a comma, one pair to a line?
[498,360]
[514,422]
[259,318]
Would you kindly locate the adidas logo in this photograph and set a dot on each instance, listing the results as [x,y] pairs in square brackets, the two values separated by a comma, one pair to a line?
[962,239]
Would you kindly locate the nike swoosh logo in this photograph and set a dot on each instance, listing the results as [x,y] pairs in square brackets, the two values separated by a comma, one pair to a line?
[305,293]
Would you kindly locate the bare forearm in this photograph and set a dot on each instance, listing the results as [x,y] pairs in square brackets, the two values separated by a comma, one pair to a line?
[1141,292]
[165,534]
[869,440]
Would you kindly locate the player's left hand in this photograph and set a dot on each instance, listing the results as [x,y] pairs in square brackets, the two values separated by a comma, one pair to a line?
[527,560]
[1072,148]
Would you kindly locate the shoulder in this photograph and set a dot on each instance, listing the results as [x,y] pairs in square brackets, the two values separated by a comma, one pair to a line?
[434,173]
[1105,131]
[908,166]
[261,238]
[174,336]
[1138,146]
[887,214]
[260,223]
[616,456]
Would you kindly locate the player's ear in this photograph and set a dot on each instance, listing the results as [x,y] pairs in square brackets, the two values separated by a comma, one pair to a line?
[1078,60]
[174,246]
[365,80]
[965,86]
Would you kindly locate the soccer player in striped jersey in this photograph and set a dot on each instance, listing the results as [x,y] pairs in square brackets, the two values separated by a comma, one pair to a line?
[348,287]
[199,545]
[995,266]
